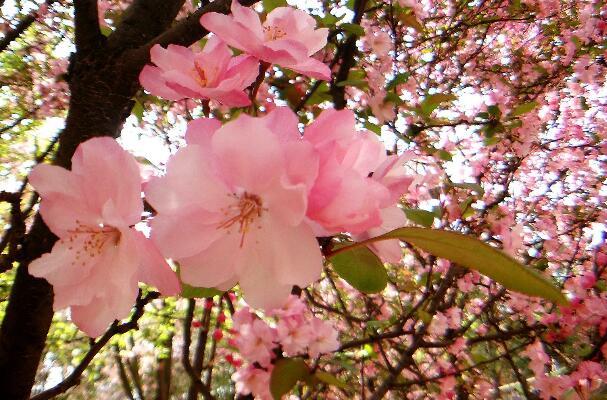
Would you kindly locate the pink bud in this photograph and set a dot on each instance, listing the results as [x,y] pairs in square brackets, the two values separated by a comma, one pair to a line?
[217,334]
[208,304]
[196,324]
[221,318]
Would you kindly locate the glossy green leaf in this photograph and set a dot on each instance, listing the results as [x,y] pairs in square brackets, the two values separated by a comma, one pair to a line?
[361,268]
[286,373]
[403,77]
[269,5]
[473,187]
[431,102]
[329,379]
[523,108]
[353,29]
[420,217]
[474,254]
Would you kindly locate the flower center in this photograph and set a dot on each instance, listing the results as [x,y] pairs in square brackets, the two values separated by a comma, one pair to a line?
[201,76]
[89,241]
[273,33]
[247,208]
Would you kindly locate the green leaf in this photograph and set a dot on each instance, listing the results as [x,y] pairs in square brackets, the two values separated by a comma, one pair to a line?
[359,83]
[444,155]
[286,373]
[473,187]
[409,19]
[353,29]
[269,5]
[403,77]
[474,254]
[420,217]
[373,128]
[523,108]
[329,379]
[431,102]
[137,110]
[361,268]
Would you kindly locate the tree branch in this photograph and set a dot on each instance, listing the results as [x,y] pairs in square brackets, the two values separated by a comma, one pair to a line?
[115,329]
[142,21]
[86,22]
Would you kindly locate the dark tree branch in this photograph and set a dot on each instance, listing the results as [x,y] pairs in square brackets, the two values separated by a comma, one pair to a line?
[124,379]
[115,329]
[142,21]
[348,53]
[86,22]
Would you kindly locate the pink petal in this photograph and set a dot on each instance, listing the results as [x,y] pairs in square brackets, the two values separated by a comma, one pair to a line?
[173,57]
[247,17]
[214,60]
[214,265]
[235,34]
[154,269]
[175,191]
[151,78]
[200,131]
[313,68]
[248,154]
[296,254]
[242,71]
[331,126]
[109,172]
[186,233]
[93,318]
[283,52]
[287,202]
[230,98]
[256,287]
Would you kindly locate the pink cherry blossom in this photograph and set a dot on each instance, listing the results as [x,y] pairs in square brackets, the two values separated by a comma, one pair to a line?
[287,37]
[256,342]
[253,380]
[294,335]
[231,207]
[347,196]
[324,340]
[210,74]
[96,264]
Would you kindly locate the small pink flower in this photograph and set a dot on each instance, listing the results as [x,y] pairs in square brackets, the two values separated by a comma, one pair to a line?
[211,74]
[217,334]
[287,37]
[96,264]
[255,342]
[325,339]
[294,335]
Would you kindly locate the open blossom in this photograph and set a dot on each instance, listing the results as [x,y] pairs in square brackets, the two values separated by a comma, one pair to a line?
[96,264]
[210,74]
[231,207]
[287,37]
[356,179]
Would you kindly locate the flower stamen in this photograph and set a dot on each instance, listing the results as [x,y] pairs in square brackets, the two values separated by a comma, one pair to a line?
[248,208]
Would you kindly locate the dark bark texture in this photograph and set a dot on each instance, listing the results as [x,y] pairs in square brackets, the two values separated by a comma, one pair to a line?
[103,78]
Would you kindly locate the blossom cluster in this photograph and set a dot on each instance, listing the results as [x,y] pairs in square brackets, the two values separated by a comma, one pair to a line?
[287,37]
[296,332]
[242,203]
